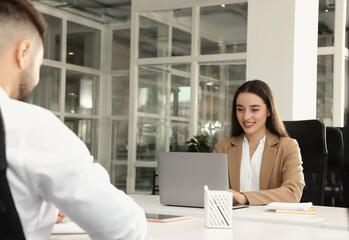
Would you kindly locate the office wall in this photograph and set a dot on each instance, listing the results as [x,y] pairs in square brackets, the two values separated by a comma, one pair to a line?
[287,61]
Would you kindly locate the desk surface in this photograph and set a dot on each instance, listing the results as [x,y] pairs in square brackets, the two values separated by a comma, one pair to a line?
[249,223]
[326,217]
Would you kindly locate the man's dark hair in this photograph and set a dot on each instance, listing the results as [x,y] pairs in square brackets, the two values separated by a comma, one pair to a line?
[22,11]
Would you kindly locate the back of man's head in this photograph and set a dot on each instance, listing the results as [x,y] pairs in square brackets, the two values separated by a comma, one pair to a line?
[19,20]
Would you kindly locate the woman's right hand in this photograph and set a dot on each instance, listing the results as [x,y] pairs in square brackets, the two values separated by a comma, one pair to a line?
[238,198]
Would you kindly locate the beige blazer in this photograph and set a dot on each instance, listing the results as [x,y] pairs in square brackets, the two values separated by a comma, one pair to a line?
[281,176]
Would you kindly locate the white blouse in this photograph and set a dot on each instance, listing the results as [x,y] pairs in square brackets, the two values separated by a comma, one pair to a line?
[251,167]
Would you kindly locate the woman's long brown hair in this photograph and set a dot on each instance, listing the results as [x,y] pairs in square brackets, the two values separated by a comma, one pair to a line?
[274,123]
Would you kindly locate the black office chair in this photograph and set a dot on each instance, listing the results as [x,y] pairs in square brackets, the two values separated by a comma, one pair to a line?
[345,132]
[155,188]
[311,138]
[10,224]
[334,194]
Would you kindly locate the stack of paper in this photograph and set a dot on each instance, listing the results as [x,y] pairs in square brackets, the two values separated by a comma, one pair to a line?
[300,208]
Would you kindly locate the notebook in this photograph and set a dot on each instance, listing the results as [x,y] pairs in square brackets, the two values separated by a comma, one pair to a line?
[182,176]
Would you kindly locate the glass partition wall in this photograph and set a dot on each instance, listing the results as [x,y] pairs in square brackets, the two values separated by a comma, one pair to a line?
[129,101]
[332,78]
[188,63]
[129,98]
[119,92]
[71,76]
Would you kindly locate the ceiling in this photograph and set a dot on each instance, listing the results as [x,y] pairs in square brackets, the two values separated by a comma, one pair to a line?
[119,11]
[106,11]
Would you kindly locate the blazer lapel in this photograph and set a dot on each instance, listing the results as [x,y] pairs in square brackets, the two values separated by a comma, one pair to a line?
[234,162]
[268,160]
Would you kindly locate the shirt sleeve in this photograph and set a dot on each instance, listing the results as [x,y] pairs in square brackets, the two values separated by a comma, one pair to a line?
[61,170]
[292,184]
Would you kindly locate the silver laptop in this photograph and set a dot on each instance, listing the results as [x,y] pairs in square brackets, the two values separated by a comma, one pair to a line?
[182,176]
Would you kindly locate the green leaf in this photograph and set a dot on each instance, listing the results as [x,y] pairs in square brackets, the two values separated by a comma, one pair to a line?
[198,144]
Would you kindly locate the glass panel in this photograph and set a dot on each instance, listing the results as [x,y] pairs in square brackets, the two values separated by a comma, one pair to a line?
[180,93]
[347,27]
[181,20]
[82,93]
[53,38]
[217,85]
[153,38]
[237,76]
[47,93]
[144,179]
[210,106]
[86,130]
[119,140]
[325,89]
[223,28]
[154,35]
[119,176]
[153,89]
[181,42]
[326,23]
[121,50]
[120,95]
[83,45]
[346,94]
[179,135]
[151,138]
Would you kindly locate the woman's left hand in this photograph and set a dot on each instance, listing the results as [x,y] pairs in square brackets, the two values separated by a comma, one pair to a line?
[238,198]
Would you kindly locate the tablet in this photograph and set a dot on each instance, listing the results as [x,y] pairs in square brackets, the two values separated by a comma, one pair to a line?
[165,218]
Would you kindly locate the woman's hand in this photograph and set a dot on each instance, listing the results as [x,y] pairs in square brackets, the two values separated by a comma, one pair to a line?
[60,217]
[238,198]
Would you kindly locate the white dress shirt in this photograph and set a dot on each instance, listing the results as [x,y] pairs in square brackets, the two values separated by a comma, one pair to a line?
[49,167]
[251,167]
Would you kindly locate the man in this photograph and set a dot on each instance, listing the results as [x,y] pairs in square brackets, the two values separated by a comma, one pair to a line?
[49,167]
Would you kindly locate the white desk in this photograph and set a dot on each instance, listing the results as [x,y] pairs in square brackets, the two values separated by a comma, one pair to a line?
[326,217]
[254,222]
[249,223]
[195,229]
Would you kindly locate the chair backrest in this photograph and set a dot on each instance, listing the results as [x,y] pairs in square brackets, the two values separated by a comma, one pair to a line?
[335,147]
[10,224]
[334,195]
[311,138]
[345,132]
[155,189]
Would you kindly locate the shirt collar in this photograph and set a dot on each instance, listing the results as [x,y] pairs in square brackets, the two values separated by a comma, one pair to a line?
[269,140]
[262,140]
[3,94]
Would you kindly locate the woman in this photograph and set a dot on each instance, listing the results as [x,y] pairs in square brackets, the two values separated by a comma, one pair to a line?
[264,163]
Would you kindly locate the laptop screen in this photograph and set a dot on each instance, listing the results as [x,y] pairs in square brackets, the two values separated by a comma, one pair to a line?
[182,176]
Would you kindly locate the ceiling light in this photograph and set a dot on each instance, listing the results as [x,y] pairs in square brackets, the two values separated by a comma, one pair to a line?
[326,10]
[223,5]
[71,53]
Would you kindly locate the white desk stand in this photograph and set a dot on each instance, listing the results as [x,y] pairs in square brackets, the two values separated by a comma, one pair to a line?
[218,208]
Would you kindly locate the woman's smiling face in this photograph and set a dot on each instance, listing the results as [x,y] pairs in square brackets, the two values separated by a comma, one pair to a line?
[252,113]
